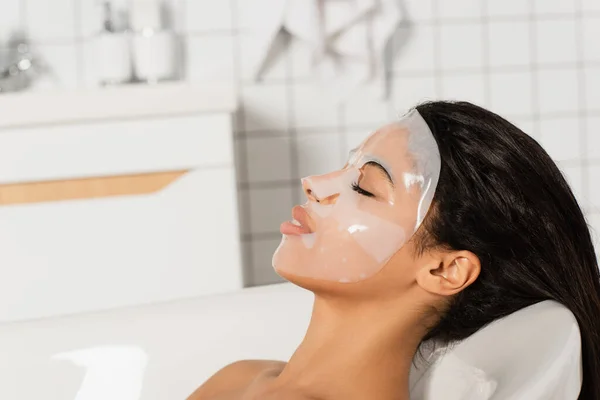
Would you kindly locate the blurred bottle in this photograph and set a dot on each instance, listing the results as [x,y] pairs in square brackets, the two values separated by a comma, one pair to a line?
[113,47]
[153,44]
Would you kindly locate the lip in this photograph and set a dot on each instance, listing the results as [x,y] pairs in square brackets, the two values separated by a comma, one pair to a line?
[300,214]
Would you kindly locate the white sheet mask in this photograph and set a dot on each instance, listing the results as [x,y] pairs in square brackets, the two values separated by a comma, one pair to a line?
[357,218]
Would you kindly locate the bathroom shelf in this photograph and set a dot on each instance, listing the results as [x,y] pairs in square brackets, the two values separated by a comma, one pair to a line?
[123,102]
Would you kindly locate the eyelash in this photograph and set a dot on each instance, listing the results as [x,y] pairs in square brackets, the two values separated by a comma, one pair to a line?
[360,190]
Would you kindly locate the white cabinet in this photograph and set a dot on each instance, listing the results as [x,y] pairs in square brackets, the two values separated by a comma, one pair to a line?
[109,208]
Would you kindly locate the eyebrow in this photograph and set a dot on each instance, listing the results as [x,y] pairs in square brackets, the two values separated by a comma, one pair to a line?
[377,165]
[383,170]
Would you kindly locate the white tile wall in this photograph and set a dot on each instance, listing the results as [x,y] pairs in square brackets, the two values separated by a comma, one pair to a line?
[510,43]
[210,58]
[461,45]
[593,138]
[50,21]
[262,256]
[319,153]
[507,8]
[561,137]
[511,93]
[556,41]
[269,159]
[558,90]
[592,87]
[10,18]
[591,33]
[269,207]
[534,62]
[466,87]
[206,16]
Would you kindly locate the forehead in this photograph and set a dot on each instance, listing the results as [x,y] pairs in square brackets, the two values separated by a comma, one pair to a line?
[389,143]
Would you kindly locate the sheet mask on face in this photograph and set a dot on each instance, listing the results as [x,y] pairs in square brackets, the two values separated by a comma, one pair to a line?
[357,218]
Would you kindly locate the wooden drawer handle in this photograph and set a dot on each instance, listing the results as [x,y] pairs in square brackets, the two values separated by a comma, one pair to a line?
[88,188]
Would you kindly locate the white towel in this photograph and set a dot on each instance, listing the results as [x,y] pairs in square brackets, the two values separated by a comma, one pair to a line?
[348,38]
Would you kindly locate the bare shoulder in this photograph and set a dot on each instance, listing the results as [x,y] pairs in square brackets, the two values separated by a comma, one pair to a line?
[234,377]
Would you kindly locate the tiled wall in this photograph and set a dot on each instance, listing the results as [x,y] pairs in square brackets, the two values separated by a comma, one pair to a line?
[535,62]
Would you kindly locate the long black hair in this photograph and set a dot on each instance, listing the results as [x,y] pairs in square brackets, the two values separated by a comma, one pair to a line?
[502,197]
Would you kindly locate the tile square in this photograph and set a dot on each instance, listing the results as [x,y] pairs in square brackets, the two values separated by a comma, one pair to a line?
[471,88]
[414,48]
[209,59]
[410,91]
[592,88]
[591,33]
[265,107]
[315,105]
[590,5]
[461,46]
[593,138]
[561,138]
[207,15]
[460,9]
[495,8]
[556,41]
[318,154]
[49,21]
[269,159]
[509,43]
[366,106]
[262,268]
[510,93]
[269,207]
[558,91]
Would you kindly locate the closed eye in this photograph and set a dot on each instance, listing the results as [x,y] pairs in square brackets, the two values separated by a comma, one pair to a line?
[361,191]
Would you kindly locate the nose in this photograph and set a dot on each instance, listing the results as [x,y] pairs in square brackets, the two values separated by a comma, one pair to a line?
[323,189]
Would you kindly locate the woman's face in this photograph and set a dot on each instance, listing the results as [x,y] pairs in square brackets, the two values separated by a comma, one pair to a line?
[356,218]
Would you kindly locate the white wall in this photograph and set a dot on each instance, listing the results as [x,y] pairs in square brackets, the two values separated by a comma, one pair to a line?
[534,62]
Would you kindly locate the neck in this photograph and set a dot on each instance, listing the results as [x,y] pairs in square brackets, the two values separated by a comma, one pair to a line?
[355,350]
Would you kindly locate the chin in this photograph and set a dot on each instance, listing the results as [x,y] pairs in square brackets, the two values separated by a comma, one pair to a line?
[290,259]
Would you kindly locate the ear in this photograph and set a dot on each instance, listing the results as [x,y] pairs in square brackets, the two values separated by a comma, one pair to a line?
[449,273]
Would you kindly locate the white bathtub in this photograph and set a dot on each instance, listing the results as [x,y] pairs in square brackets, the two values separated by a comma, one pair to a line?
[165,351]
[151,352]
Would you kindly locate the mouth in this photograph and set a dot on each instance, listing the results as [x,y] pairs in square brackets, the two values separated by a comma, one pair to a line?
[300,223]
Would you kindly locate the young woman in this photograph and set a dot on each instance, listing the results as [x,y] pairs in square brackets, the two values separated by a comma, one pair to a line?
[502,232]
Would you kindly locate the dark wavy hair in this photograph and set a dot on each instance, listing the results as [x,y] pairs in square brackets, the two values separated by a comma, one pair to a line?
[517,213]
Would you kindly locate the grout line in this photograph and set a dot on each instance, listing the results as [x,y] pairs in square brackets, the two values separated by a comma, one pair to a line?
[487,77]
[437,54]
[244,204]
[534,69]
[301,131]
[581,81]
[252,237]
[451,71]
